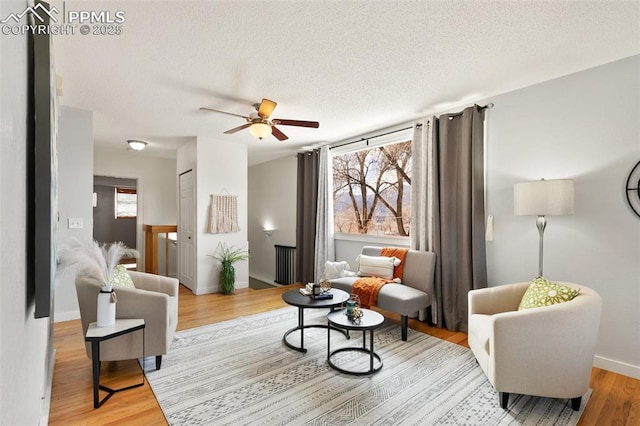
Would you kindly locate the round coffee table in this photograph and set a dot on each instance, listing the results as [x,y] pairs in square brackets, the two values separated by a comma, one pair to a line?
[370,320]
[295,298]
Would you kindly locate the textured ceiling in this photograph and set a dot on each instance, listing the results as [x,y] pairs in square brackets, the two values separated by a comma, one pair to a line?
[354,66]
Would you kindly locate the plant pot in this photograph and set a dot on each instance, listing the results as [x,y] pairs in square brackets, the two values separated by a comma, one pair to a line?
[227,278]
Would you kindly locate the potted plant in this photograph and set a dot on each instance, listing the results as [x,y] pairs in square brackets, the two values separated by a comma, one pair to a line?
[227,256]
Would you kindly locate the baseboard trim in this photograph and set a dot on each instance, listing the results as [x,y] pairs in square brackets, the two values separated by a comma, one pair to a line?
[46,398]
[209,290]
[66,316]
[618,367]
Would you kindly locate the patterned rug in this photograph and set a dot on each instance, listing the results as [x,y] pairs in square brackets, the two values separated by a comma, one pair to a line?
[239,372]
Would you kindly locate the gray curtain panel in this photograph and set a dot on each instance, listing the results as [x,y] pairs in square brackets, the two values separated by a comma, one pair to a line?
[421,190]
[307,205]
[324,249]
[421,232]
[458,222]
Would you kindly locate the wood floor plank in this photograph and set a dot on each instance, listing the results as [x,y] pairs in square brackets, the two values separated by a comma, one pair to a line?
[615,399]
[601,385]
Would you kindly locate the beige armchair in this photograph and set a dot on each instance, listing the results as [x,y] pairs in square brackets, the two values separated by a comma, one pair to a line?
[155,299]
[545,351]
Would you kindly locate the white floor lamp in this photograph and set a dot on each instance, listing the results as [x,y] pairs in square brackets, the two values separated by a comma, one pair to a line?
[541,198]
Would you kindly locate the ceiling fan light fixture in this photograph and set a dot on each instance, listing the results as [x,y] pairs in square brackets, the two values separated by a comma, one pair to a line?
[136,145]
[259,123]
[260,130]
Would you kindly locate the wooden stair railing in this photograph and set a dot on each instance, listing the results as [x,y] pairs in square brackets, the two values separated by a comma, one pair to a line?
[151,246]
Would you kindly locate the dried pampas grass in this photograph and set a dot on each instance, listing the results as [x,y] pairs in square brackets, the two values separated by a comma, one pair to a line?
[92,260]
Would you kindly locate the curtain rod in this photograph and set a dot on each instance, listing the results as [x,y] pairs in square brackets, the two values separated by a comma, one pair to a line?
[487,106]
[455,114]
[371,137]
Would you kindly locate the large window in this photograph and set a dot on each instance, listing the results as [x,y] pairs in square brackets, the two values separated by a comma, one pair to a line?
[372,190]
[126,203]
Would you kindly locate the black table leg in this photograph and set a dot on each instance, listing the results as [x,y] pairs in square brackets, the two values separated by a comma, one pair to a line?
[96,364]
[95,361]
[371,349]
[301,325]
[328,340]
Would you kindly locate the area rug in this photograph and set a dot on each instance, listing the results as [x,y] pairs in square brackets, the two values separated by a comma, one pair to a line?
[239,372]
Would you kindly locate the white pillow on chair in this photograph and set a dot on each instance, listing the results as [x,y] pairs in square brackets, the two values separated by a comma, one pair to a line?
[333,270]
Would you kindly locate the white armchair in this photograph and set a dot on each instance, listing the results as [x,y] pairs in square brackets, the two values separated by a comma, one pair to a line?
[545,351]
[155,299]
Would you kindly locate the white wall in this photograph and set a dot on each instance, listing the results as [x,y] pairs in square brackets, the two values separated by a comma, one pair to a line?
[75,186]
[585,127]
[220,168]
[272,205]
[157,188]
[23,339]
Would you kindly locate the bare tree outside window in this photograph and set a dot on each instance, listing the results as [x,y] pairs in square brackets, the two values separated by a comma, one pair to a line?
[372,190]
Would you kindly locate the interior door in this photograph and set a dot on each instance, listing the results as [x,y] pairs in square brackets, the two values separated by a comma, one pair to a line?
[186,236]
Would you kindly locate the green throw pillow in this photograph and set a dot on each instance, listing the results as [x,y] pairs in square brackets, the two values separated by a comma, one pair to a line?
[121,278]
[544,293]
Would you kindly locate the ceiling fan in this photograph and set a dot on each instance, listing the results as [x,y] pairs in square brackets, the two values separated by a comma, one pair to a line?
[259,123]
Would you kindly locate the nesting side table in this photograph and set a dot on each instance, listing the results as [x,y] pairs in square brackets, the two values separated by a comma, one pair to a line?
[294,298]
[95,335]
[370,321]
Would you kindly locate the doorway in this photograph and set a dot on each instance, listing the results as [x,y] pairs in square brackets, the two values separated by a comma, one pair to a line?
[186,234]
[115,212]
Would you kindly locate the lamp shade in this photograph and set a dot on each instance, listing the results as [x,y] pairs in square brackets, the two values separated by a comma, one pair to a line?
[543,197]
[260,130]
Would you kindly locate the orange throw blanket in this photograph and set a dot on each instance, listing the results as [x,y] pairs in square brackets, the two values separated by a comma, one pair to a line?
[367,288]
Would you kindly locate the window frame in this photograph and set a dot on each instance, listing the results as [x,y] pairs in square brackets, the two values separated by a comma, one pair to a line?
[124,190]
[364,143]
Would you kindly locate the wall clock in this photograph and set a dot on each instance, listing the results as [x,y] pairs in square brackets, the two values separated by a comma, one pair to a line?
[633,189]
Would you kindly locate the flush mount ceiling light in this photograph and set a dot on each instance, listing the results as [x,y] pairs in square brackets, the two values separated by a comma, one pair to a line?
[136,145]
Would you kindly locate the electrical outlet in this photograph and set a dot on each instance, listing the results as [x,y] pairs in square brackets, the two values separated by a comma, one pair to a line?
[74,223]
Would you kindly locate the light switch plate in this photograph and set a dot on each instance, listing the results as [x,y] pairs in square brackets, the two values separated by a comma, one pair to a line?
[74,223]
[489,230]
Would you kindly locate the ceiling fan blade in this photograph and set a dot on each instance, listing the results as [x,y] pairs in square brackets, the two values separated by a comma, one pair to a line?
[298,123]
[278,134]
[266,108]
[224,112]
[237,129]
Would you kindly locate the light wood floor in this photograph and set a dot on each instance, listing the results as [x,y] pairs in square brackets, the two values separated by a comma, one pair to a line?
[615,399]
